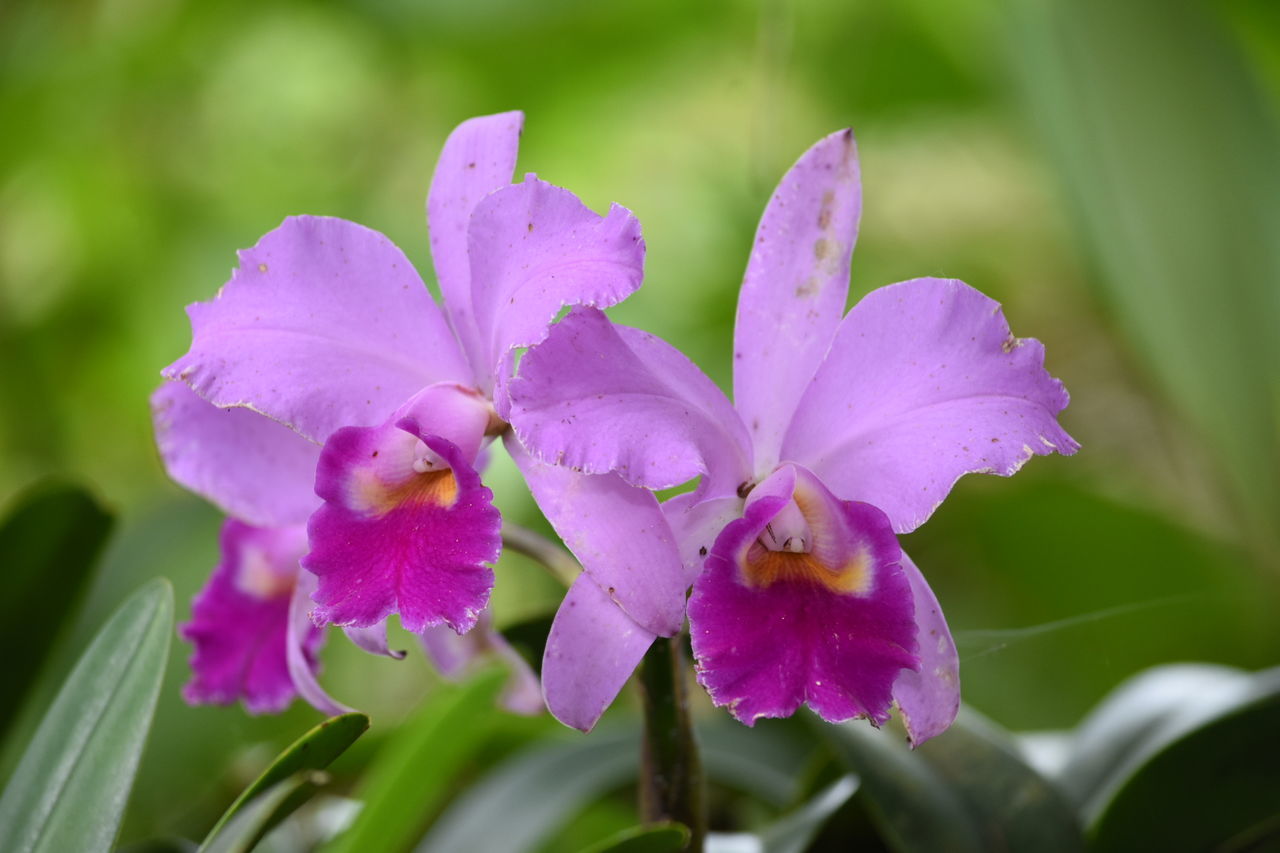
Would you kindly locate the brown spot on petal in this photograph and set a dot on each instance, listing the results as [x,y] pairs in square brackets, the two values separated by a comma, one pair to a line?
[262,267]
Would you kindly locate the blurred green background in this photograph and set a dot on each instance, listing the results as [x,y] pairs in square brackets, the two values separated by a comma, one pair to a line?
[1109,171]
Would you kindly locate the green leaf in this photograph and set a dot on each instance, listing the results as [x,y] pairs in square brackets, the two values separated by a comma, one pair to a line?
[55,530]
[793,832]
[519,803]
[965,790]
[315,750]
[264,812]
[1130,720]
[417,768]
[765,760]
[71,786]
[1205,780]
[1180,204]
[658,838]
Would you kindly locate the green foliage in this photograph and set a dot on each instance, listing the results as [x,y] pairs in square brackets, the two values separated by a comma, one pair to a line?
[658,838]
[1203,778]
[258,816]
[50,541]
[521,801]
[70,789]
[415,769]
[966,790]
[1167,149]
[315,750]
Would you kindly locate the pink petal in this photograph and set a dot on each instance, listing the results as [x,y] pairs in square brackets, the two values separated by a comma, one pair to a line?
[251,467]
[929,698]
[795,288]
[619,535]
[406,527]
[831,626]
[923,384]
[696,524]
[324,324]
[599,397]
[304,676]
[373,639]
[591,652]
[536,248]
[239,622]
[478,158]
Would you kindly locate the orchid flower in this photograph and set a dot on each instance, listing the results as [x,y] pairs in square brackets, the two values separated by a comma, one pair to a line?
[846,431]
[325,362]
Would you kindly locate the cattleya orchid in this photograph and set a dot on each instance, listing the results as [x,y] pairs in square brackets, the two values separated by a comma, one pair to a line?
[846,430]
[324,386]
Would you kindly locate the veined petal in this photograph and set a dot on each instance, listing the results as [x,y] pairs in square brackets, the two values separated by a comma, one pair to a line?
[923,384]
[240,620]
[478,157]
[406,527]
[803,600]
[619,535]
[536,248]
[249,466]
[929,698]
[795,288]
[324,324]
[456,655]
[600,397]
[591,651]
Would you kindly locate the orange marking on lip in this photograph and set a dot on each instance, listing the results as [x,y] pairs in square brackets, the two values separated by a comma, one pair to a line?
[371,495]
[762,568]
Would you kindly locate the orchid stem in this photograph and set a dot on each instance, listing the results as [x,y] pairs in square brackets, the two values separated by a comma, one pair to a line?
[671,784]
[556,560]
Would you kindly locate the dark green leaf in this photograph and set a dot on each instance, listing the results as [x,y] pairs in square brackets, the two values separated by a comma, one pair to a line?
[55,531]
[793,833]
[659,838]
[315,750]
[517,805]
[416,769]
[965,790]
[70,788]
[265,812]
[765,761]
[1205,780]
[1130,719]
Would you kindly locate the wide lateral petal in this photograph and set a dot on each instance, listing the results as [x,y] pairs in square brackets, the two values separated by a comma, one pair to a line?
[249,466]
[406,527]
[619,535]
[591,651]
[324,324]
[795,288]
[536,248]
[831,627]
[478,157]
[600,397]
[240,619]
[929,698]
[924,383]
